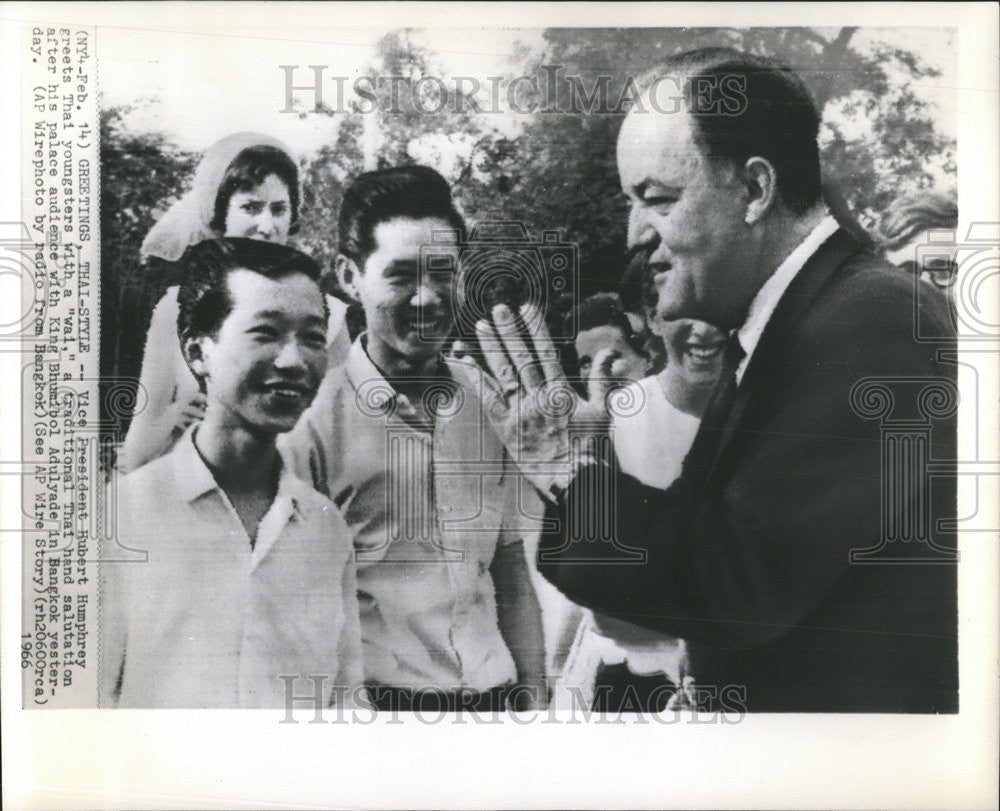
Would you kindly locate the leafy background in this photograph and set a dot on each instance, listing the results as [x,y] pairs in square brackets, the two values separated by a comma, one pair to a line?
[880,138]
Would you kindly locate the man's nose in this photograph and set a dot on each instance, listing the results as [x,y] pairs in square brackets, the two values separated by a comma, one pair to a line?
[291,356]
[427,295]
[640,232]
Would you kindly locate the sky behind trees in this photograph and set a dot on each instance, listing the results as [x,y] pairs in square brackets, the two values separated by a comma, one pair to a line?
[889,127]
[244,87]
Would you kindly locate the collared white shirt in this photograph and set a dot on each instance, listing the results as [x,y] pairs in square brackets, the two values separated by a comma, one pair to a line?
[767,298]
[428,506]
[193,618]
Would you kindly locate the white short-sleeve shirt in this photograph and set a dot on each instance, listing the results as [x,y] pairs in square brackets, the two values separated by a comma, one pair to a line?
[192,617]
[428,507]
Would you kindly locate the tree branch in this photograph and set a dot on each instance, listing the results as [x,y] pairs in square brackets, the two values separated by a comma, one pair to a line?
[833,53]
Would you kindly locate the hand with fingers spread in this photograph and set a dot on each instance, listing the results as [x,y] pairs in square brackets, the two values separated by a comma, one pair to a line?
[543,422]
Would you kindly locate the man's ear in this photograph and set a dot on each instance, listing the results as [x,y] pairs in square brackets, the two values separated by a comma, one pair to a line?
[193,350]
[347,274]
[762,189]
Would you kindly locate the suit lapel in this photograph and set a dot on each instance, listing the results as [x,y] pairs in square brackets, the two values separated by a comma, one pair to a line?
[797,299]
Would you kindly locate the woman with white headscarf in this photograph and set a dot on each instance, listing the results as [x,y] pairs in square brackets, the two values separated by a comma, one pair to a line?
[246,185]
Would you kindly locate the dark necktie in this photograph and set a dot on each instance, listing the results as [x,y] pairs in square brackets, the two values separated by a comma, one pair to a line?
[701,457]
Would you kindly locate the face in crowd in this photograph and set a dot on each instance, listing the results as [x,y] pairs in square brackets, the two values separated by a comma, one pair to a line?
[694,350]
[263,356]
[629,363]
[258,196]
[408,309]
[917,232]
[263,212]
[919,256]
[719,195]
[263,360]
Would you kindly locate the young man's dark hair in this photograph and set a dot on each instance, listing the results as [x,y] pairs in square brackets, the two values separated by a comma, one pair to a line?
[247,171]
[743,106]
[204,296]
[412,192]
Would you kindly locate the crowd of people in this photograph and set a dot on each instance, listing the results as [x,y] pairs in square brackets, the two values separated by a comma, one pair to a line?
[378,513]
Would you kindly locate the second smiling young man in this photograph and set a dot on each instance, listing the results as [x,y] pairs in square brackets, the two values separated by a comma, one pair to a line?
[449,618]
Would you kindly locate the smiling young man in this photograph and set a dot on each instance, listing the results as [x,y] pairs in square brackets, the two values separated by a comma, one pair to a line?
[248,573]
[449,618]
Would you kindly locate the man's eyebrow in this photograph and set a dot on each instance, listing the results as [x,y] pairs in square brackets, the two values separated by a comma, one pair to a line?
[665,188]
[403,264]
[279,315]
[638,189]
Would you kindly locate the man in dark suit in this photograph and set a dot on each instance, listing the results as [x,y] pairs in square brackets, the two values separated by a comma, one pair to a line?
[798,552]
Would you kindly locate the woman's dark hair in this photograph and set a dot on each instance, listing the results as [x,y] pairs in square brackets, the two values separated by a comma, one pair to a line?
[413,192]
[247,171]
[605,310]
[204,299]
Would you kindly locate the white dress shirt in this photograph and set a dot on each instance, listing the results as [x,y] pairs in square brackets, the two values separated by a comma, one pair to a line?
[767,298]
[192,617]
[652,440]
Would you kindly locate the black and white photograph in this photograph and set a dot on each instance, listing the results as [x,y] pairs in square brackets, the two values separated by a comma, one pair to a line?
[437,394]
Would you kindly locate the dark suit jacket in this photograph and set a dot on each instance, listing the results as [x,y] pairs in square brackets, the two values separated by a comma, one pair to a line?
[748,554]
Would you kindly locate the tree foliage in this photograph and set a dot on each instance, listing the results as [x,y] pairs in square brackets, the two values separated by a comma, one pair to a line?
[556,171]
[141,174]
[560,172]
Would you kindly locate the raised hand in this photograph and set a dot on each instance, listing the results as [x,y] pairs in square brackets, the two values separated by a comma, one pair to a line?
[543,422]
